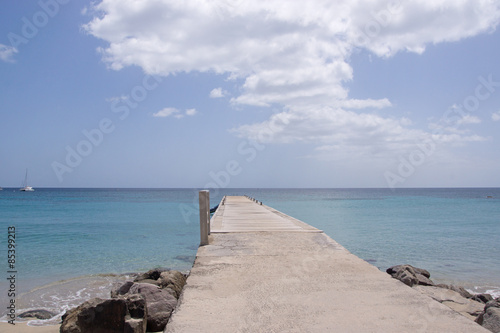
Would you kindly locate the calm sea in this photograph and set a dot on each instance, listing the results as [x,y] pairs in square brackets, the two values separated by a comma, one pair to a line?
[73,244]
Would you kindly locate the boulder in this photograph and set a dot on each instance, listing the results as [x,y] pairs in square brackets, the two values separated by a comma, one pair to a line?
[112,315]
[150,281]
[160,304]
[121,289]
[495,303]
[483,298]
[153,274]
[134,307]
[467,307]
[490,317]
[410,275]
[458,289]
[38,314]
[173,280]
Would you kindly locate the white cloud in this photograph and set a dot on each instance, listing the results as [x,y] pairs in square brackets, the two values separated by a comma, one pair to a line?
[7,52]
[496,116]
[451,124]
[167,112]
[468,119]
[386,29]
[218,93]
[287,53]
[346,133]
[366,103]
[173,112]
[293,55]
[333,127]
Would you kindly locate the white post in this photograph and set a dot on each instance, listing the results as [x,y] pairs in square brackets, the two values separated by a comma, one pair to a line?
[204,197]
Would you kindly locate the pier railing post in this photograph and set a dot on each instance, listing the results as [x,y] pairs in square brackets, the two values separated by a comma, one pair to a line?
[204,197]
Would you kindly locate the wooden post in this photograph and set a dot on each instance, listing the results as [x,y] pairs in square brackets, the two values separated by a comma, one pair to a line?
[204,217]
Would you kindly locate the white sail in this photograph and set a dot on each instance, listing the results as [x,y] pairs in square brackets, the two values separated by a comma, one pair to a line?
[25,187]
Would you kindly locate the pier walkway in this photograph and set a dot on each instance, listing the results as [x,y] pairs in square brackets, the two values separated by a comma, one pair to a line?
[264,271]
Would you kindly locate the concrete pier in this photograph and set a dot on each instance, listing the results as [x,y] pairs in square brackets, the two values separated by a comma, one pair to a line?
[263,271]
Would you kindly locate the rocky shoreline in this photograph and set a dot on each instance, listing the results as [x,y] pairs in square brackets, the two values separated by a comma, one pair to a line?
[142,303]
[147,302]
[481,308]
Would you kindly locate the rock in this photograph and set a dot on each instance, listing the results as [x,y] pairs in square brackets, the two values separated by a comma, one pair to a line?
[173,280]
[122,289]
[394,269]
[423,280]
[150,281]
[483,298]
[153,274]
[495,303]
[112,315]
[406,276]
[410,275]
[39,314]
[160,304]
[467,307]
[458,289]
[490,317]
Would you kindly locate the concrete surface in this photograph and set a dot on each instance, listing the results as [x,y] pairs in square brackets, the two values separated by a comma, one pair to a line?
[292,277]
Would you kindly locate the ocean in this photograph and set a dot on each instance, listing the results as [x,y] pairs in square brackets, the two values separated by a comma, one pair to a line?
[74,244]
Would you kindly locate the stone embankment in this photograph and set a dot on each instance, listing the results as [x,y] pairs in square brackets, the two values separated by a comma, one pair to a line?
[144,304]
[481,308]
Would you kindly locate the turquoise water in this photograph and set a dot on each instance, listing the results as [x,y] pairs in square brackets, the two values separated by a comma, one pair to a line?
[454,233]
[77,235]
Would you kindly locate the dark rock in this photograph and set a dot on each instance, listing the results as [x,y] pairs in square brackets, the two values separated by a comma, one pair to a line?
[395,269]
[410,275]
[495,303]
[106,316]
[423,280]
[483,298]
[490,317]
[406,276]
[153,274]
[173,280]
[461,291]
[136,306]
[421,271]
[39,314]
[122,289]
[160,304]
[458,289]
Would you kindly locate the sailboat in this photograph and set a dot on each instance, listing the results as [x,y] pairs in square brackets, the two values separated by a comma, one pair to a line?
[25,187]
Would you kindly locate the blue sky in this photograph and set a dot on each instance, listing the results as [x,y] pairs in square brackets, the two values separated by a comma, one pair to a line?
[230,93]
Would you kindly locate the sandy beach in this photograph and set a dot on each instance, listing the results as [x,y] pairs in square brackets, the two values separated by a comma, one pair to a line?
[24,328]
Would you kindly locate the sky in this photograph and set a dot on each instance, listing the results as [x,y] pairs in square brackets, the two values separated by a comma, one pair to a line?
[235,93]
